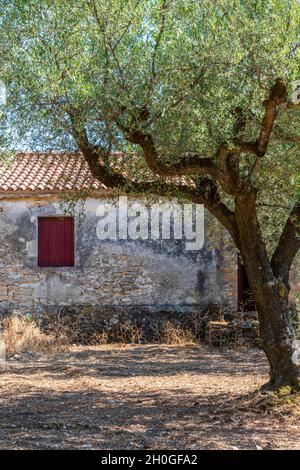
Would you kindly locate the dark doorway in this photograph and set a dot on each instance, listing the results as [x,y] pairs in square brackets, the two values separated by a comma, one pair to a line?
[245,299]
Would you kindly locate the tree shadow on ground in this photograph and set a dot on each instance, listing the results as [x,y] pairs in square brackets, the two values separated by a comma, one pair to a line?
[153,360]
[154,397]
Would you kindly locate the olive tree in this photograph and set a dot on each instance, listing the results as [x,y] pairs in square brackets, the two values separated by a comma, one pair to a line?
[198,96]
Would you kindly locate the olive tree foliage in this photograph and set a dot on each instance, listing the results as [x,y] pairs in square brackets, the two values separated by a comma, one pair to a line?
[194,75]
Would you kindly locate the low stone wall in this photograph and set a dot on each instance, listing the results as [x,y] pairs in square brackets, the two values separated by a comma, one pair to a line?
[127,324]
[232,334]
[141,325]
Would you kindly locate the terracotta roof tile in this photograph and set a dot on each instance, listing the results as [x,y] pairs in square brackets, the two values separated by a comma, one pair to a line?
[46,172]
[61,171]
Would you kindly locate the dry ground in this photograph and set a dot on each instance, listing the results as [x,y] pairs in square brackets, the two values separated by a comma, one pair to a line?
[141,397]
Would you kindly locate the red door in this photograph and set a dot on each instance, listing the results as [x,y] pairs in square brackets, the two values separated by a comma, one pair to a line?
[55,241]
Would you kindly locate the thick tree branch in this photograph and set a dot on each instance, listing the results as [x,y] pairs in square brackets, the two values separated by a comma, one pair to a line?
[288,245]
[277,97]
[189,165]
[205,193]
[228,169]
[96,157]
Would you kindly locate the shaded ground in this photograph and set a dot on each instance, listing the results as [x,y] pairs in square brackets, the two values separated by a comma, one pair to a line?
[140,397]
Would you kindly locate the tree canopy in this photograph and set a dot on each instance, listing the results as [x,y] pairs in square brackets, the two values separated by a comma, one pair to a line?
[198,71]
[198,98]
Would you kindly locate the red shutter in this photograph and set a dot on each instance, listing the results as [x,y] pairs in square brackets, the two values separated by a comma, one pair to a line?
[55,241]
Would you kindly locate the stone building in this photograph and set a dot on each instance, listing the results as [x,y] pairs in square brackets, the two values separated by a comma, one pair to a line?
[52,261]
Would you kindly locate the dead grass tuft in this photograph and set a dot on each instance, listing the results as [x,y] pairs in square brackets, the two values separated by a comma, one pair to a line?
[128,333]
[176,334]
[22,334]
[166,332]
[120,333]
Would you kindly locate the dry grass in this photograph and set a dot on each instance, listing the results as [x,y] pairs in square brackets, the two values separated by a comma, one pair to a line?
[176,335]
[143,397]
[128,333]
[162,332]
[24,335]
[120,333]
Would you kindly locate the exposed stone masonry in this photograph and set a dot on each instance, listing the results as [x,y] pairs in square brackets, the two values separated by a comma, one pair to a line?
[108,275]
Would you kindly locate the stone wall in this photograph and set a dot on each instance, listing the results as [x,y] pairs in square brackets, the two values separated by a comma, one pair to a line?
[295,282]
[109,276]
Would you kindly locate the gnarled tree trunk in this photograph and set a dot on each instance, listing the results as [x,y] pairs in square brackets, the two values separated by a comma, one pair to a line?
[277,337]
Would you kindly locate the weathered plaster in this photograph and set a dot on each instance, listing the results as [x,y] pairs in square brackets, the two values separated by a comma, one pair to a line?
[121,274]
